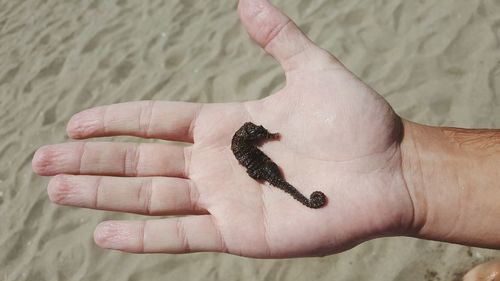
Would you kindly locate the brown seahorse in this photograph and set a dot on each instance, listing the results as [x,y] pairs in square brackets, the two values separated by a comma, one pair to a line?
[260,167]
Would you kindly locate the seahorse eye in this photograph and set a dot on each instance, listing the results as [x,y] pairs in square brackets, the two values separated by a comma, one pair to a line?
[251,129]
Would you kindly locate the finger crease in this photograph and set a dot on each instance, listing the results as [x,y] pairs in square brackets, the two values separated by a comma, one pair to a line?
[146,117]
[181,233]
[275,32]
[104,120]
[145,194]
[98,188]
[193,196]
[187,160]
[131,160]
[82,153]
[194,120]
[143,237]
[137,159]
[222,241]
[294,54]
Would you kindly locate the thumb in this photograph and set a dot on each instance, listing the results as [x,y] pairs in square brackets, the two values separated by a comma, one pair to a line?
[279,36]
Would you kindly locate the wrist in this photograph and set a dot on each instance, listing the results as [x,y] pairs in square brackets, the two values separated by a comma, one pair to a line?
[451,176]
[411,167]
[430,166]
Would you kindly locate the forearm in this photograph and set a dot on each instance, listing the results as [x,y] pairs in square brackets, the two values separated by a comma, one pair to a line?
[453,177]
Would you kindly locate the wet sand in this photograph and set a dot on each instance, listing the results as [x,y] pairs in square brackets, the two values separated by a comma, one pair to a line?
[437,62]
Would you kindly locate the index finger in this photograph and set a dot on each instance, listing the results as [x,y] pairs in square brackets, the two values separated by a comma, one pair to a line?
[147,119]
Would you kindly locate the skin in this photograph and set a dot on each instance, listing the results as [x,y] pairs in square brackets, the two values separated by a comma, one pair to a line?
[488,271]
[337,134]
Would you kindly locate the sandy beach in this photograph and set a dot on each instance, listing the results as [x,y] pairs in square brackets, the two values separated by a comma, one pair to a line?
[437,62]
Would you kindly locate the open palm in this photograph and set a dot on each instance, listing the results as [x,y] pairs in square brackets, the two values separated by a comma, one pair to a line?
[337,136]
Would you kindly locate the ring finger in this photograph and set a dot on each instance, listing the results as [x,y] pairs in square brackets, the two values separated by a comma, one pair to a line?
[147,196]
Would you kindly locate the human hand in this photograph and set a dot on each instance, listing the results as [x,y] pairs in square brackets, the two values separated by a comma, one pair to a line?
[338,136]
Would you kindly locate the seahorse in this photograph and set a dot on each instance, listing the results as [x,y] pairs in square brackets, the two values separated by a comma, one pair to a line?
[261,168]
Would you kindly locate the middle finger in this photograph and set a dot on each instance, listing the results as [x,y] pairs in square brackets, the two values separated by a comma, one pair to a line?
[112,159]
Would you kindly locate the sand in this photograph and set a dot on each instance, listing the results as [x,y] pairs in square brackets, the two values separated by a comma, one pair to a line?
[437,62]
